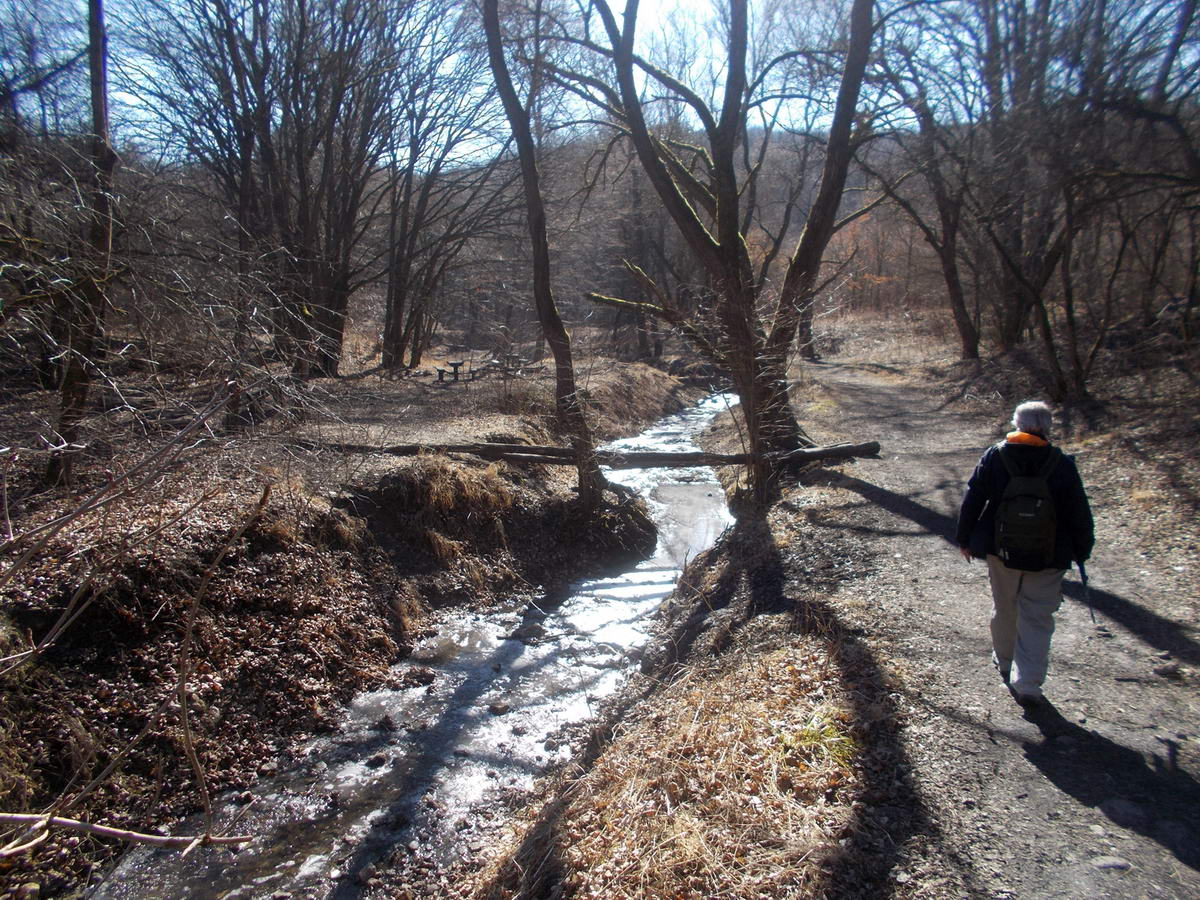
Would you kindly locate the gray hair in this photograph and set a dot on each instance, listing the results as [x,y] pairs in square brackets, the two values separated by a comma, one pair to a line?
[1033,416]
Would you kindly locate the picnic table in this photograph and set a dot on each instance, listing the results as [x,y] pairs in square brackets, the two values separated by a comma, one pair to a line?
[455,365]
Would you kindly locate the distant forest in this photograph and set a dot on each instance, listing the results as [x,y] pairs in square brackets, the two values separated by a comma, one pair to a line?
[280,190]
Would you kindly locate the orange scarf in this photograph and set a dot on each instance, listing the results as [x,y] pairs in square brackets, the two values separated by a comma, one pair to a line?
[1024,437]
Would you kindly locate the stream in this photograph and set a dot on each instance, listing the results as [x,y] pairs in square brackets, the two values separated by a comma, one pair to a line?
[419,767]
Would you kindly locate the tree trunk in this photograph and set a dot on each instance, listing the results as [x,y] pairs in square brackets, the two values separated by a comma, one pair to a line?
[87,307]
[635,459]
[393,311]
[794,314]
[968,334]
[1013,315]
[1078,381]
[234,420]
[640,253]
[566,398]
[1058,379]
[330,328]
[415,335]
[805,343]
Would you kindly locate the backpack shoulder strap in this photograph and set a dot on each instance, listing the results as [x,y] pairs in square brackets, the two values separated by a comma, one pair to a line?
[1050,463]
[1008,463]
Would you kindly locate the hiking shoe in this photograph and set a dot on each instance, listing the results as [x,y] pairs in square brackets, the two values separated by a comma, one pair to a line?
[1004,673]
[1001,667]
[1030,701]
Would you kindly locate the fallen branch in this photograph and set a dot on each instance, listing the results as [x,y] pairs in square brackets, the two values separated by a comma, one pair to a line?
[40,823]
[613,459]
[146,470]
[868,450]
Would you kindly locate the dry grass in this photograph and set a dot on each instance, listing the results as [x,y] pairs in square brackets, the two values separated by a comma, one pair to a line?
[443,548]
[527,397]
[454,508]
[631,392]
[441,486]
[730,786]
[904,338]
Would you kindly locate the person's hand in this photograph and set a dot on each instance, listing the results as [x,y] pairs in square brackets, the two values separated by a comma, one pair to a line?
[966,552]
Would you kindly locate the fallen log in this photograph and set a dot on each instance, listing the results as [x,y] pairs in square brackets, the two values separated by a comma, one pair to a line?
[868,450]
[613,459]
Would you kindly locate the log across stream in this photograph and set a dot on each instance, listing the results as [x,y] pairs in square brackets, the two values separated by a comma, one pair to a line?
[415,769]
[613,456]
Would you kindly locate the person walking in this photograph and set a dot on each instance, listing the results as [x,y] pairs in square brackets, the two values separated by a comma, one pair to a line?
[1028,543]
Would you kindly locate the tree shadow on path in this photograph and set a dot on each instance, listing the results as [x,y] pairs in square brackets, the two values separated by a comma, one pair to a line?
[931,520]
[1150,627]
[1156,799]
[889,814]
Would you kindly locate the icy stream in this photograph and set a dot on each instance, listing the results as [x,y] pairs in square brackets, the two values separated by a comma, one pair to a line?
[413,767]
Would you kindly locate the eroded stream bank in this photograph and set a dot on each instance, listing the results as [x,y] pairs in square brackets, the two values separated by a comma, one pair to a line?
[487,704]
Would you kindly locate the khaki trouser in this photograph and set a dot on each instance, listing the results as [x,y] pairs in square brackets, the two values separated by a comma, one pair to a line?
[1023,607]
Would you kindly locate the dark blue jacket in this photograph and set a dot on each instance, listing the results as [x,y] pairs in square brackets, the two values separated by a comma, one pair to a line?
[976,518]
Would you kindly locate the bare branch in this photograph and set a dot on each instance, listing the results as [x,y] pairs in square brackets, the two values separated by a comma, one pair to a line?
[38,824]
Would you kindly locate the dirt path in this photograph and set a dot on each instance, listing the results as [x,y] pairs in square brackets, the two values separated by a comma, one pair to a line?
[1098,796]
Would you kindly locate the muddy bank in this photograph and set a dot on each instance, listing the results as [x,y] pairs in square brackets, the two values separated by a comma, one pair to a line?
[464,533]
[301,606]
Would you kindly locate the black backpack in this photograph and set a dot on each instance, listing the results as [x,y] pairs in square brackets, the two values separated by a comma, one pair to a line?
[1026,521]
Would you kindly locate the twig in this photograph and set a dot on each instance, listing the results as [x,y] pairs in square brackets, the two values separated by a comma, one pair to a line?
[39,823]
[73,611]
[8,464]
[74,608]
[14,848]
[102,497]
[742,438]
[183,668]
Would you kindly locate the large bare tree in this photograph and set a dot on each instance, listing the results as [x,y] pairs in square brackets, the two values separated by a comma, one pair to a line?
[1017,123]
[443,190]
[704,190]
[938,98]
[323,127]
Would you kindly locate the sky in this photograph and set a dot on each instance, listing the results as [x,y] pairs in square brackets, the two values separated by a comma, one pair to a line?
[653,15]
